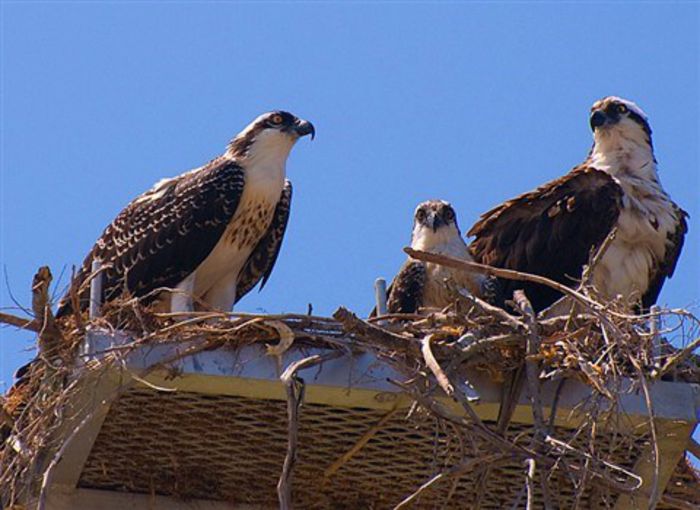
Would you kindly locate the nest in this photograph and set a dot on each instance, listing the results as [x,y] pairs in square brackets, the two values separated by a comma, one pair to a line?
[600,344]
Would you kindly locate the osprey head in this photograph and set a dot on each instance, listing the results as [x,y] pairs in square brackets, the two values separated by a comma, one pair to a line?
[616,116]
[273,131]
[434,222]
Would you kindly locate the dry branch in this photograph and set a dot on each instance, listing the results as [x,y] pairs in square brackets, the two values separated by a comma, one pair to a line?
[510,274]
[598,343]
[366,438]
[532,370]
[50,337]
[19,322]
[295,396]
[374,334]
[458,470]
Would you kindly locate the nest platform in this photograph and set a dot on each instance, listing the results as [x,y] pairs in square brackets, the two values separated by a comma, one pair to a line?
[210,431]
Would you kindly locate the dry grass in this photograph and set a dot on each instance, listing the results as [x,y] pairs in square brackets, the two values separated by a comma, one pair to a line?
[599,344]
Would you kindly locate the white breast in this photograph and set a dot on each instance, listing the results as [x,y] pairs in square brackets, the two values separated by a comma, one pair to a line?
[646,220]
[216,277]
[435,293]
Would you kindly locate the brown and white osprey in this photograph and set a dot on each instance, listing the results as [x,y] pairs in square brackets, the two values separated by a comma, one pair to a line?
[422,284]
[210,234]
[550,231]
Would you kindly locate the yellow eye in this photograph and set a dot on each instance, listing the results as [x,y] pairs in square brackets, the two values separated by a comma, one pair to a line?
[621,108]
[276,119]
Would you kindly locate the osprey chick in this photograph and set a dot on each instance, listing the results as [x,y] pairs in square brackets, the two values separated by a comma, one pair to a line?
[422,284]
[210,234]
[550,231]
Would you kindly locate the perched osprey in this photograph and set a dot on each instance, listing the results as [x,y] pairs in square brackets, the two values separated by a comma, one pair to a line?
[422,284]
[550,231]
[210,234]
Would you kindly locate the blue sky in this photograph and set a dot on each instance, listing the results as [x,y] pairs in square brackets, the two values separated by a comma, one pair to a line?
[470,102]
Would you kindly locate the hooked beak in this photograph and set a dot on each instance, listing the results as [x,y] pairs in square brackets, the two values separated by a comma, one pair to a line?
[600,118]
[434,221]
[303,128]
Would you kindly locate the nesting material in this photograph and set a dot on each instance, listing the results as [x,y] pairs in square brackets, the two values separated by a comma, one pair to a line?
[436,451]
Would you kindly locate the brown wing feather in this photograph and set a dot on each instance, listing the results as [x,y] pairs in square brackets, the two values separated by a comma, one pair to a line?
[260,263]
[405,294]
[549,231]
[163,235]
[668,265]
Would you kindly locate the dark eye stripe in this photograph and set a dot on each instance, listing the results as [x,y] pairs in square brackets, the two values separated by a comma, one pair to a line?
[640,120]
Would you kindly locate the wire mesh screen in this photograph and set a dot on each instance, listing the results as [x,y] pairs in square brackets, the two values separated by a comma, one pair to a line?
[232,449]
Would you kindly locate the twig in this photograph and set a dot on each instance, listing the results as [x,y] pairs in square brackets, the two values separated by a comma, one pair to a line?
[366,437]
[606,480]
[294,401]
[75,302]
[677,503]
[20,322]
[555,405]
[483,433]
[494,311]
[654,496]
[531,363]
[354,325]
[47,478]
[444,382]
[530,482]
[49,336]
[532,370]
[510,274]
[587,273]
[286,338]
[679,356]
[49,471]
[512,387]
[457,470]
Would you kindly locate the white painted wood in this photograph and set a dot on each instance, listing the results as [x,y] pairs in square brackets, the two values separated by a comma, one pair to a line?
[212,370]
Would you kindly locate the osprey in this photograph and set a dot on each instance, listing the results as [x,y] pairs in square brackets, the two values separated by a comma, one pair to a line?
[551,231]
[422,284]
[205,238]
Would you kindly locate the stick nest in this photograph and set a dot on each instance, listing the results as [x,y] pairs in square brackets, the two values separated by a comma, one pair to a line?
[599,344]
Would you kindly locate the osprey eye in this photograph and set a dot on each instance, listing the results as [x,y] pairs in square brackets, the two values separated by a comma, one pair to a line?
[420,215]
[276,119]
[621,108]
[449,214]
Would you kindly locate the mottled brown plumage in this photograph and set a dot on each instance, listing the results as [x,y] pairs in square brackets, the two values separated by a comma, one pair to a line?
[549,231]
[260,263]
[552,230]
[212,233]
[422,284]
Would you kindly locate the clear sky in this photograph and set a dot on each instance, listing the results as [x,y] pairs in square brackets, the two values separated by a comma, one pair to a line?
[470,102]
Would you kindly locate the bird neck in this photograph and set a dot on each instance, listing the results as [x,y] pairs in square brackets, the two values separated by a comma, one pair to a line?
[623,154]
[446,240]
[265,159]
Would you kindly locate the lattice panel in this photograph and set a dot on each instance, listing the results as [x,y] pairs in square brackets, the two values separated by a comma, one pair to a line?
[232,449]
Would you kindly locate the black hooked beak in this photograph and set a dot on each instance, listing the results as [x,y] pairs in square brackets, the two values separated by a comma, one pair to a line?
[304,127]
[434,221]
[598,118]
